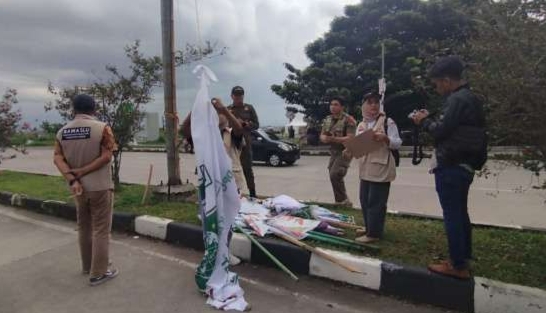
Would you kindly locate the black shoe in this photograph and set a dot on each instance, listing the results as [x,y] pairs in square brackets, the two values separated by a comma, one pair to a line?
[110,274]
[252,194]
[86,272]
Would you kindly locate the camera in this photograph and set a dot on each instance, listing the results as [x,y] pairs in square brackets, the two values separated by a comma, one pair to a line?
[412,114]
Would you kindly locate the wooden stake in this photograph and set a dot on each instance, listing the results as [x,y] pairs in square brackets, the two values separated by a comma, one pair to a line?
[147,188]
[316,251]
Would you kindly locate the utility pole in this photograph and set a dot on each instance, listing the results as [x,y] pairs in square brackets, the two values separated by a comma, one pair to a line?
[382,82]
[171,116]
[382,60]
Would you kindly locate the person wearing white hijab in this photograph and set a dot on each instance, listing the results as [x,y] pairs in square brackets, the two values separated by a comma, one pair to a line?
[377,169]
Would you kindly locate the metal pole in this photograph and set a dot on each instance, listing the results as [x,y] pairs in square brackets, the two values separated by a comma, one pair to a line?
[171,116]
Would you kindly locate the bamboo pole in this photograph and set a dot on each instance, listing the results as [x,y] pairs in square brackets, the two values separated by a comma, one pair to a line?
[345,240]
[267,253]
[343,224]
[147,188]
[335,241]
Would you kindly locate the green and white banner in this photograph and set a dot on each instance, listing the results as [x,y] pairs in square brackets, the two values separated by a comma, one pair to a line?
[219,202]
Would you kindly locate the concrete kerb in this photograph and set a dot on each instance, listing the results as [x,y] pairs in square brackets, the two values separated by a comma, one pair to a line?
[496,297]
[420,285]
[152,226]
[302,152]
[121,221]
[406,282]
[5,198]
[369,275]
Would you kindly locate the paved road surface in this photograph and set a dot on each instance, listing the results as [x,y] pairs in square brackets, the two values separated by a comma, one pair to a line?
[497,200]
[39,273]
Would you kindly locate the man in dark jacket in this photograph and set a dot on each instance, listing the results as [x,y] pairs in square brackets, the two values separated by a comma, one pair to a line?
[461,148]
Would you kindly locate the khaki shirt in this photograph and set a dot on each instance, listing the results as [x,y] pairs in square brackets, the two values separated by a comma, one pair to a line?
[247,114]
[338,127]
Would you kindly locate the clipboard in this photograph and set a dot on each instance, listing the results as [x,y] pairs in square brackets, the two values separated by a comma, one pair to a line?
[362,144]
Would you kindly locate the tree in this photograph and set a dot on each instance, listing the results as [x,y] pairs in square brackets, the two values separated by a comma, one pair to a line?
[346,61]
[507,56]
[9,119]
[50,128]
[121,98]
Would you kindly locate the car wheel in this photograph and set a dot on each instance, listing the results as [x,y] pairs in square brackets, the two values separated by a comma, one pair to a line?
[289,162]
[274,160]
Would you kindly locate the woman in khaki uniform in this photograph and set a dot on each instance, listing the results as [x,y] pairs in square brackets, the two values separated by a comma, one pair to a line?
[377,169]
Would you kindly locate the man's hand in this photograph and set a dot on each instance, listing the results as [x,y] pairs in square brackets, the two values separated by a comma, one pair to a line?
[76,188]
[351,120]
[246,124]
[77,172]
[418,117]
[218,105]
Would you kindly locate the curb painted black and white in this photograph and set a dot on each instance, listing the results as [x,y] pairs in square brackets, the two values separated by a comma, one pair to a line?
[479,295]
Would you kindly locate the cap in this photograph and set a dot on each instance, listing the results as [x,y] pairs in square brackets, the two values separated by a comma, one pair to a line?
[237,90]
[371,95]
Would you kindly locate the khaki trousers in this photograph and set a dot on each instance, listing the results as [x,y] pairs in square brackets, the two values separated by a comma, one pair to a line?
[337,168]
[94,226]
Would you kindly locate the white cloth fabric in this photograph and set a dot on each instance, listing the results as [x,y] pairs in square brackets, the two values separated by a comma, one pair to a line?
[220,202]
[283,202]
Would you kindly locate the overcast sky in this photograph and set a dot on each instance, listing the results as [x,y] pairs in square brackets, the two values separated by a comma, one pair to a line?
[68,42]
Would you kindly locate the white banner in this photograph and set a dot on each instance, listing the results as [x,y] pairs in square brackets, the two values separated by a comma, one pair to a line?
[294,226]
[219,201]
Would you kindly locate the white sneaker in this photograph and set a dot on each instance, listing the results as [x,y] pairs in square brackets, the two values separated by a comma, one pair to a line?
[345,203]
[366,239]
[233,260]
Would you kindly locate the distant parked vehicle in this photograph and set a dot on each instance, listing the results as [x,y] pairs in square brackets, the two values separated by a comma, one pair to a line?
[267,147]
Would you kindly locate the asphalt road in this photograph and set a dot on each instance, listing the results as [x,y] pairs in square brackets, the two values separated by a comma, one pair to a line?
[40,273]
[505,199]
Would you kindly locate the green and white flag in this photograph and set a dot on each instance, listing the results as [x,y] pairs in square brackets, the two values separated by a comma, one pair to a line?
[219,201]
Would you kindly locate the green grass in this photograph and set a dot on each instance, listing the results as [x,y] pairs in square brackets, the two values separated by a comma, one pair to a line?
[510,256]
[127,197]
[21,139]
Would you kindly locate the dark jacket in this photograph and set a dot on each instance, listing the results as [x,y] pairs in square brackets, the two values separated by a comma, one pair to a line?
[459,133]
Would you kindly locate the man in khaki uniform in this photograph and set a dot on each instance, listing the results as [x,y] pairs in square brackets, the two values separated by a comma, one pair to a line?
[249,120]
[83,154]
[336,129]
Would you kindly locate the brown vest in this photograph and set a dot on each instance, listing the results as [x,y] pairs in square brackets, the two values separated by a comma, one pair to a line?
[81,141]
[377,166]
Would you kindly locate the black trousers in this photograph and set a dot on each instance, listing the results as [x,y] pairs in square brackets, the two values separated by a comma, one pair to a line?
[373,201]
